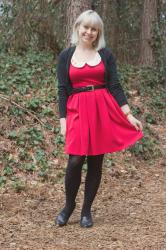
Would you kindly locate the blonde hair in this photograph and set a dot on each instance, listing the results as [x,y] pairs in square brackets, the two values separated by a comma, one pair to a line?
[90,17]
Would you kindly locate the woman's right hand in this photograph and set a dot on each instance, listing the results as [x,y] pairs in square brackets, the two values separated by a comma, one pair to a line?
[63,126]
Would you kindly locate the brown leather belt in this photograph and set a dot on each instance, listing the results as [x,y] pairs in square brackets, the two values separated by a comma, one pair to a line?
[88,88]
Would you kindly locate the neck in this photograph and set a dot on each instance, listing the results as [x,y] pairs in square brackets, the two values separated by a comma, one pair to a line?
[84,46]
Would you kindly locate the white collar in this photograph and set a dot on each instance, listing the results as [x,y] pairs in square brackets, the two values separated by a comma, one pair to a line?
[95,61]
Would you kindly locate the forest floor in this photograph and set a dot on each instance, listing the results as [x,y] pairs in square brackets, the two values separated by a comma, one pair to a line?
[129,211]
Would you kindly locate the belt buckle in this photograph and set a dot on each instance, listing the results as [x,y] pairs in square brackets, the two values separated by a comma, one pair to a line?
[92,87]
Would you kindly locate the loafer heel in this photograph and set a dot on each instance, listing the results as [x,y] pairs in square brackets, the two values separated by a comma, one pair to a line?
[63,217]
[86,221]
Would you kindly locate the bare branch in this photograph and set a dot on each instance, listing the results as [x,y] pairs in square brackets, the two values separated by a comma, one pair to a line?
[19,106]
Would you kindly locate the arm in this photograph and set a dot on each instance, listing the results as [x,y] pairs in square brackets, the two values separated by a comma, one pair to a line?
[115,86]
[118,93]
[63,126]
[62,93]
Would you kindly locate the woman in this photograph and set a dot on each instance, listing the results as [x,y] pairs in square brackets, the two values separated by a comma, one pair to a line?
[94,114]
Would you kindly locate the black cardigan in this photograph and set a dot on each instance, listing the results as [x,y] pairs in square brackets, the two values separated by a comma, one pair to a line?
[64,83]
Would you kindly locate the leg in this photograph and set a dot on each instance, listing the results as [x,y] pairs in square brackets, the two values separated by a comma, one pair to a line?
[92,183]
[73,179]
[72,183]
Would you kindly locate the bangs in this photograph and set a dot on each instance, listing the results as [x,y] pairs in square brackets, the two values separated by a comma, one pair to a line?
[92,21]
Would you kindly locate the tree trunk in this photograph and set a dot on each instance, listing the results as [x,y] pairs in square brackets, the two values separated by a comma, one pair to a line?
[148,18]
[106,17]
[74,9]
[114,27]
[42,35]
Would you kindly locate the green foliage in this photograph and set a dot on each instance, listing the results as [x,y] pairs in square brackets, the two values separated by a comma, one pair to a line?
[136,111]
[33,146]
[35,135]
[8,170]
[156,103]
[44,169]
[31,136]
[47,112]
[24,155]
[17,184]
[15,111]
[12,135]
[2,180]
[21,73]
[29,167]
[34,104]
[40,155]
[148,147]
[159,46]
[48,126]
[42,161]
[149,76]
[149,84]
[59,139]
[150,118]
[27,138]
[29,81]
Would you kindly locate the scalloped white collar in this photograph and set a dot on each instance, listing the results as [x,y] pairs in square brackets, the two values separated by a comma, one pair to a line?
[94,62]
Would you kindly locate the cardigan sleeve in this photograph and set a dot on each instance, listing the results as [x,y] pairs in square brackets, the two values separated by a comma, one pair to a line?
[115,86]
[62,91]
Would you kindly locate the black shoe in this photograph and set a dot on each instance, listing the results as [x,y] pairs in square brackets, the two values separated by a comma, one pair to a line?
[63,217]
[86,221]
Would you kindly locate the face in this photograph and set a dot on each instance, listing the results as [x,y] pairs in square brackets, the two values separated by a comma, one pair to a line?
[87,33]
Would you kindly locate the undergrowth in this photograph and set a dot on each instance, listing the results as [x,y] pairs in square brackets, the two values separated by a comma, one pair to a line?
[31,144]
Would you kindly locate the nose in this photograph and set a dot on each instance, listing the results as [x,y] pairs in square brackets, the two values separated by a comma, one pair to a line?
[89,30]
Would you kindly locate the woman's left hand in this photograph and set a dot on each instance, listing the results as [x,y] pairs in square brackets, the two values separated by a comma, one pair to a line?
[136,123]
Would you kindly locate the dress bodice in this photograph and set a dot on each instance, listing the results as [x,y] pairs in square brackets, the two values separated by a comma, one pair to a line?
[87,75]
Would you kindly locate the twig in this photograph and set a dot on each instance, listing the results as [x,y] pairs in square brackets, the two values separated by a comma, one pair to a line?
[19,106]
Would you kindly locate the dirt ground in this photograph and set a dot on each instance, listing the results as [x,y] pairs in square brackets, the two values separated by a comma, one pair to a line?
[129,211]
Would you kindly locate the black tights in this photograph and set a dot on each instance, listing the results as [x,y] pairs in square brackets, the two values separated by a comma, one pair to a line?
[73,180]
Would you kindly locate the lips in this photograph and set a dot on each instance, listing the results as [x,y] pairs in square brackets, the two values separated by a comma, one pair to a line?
[87,37]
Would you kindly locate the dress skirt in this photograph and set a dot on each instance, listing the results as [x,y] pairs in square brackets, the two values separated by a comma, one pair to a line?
[95,124]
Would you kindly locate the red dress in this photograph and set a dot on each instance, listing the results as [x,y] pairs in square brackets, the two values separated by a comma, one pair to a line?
[95,124]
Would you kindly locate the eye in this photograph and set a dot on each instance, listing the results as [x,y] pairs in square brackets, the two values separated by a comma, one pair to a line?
[86,26]
[94,29]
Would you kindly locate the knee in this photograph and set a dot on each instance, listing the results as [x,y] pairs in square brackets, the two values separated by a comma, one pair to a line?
[76,161]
